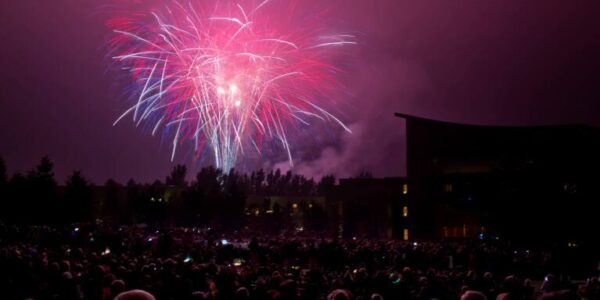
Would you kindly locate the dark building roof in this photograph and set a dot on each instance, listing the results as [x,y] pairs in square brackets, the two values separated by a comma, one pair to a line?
[449,123]
[565,147]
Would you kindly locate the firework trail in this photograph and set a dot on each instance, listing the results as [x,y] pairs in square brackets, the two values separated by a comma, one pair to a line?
[224,75]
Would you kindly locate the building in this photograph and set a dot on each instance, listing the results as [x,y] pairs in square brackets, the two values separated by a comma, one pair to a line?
[537,183]
[370,207]
[296,213]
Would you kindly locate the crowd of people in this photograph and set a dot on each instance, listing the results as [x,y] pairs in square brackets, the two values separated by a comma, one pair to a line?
[101,262]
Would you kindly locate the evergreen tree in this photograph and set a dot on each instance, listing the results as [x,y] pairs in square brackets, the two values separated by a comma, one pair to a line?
[78,198]
[4,201]
[133,200]
[40,195]
[112,206]
[177,176]
[3,175]
[326,185]
[16,204]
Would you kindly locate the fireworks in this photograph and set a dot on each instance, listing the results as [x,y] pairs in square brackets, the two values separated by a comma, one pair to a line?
[226,76]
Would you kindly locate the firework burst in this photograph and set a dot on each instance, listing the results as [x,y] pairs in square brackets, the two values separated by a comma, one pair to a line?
[226,76]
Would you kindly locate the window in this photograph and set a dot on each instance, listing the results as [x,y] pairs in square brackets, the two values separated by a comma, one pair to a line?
[447,187]
[405,234]
[405,211]
[405,188]
[570,187]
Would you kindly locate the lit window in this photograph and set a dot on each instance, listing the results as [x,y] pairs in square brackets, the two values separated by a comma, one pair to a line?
[448,187]
[405,234]
[295,205]
[405,211]
[405,188]
[570,187]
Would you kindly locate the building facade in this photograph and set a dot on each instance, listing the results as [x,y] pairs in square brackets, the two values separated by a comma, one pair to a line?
[527,183]
[370,207]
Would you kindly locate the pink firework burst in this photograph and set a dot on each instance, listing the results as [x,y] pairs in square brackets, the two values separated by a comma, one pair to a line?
[226,75]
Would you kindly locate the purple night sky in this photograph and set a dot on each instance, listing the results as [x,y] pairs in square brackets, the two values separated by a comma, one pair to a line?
[483,62]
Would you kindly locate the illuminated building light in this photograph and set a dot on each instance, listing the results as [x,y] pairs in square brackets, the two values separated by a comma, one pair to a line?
[448,187]
[405,234]
[237,262]
[405,211]
[405,188]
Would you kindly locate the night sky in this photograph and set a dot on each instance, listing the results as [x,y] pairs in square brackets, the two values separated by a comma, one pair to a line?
[481,62]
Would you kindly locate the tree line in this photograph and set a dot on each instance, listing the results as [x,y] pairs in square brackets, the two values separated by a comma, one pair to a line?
[212,197]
